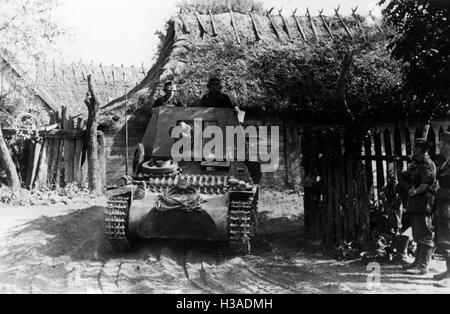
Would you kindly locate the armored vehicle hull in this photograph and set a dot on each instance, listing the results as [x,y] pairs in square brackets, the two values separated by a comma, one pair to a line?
[196,200]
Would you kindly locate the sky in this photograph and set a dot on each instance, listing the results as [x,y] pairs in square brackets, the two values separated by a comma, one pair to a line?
[123,31]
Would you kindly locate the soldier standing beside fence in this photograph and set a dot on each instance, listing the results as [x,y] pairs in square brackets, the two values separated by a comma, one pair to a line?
[442,214]
[423,177]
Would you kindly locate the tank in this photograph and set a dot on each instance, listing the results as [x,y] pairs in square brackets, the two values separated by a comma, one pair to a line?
[213,199]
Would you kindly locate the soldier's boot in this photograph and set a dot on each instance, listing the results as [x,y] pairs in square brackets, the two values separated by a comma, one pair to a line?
[402,249]
[424,260]
[445,275]
[416,260]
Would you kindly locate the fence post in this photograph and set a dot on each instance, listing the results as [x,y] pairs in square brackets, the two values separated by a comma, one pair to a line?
[102,157]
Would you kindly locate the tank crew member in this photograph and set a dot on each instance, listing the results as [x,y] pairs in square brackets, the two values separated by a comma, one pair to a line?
[442,214]
[215,98]
[419,207]
[169,99]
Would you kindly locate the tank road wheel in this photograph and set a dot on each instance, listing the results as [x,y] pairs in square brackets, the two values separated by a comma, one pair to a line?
[242,225]
[116,224]
[139,158]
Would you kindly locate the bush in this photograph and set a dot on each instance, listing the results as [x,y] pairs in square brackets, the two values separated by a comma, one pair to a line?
[14,198]
[71,193]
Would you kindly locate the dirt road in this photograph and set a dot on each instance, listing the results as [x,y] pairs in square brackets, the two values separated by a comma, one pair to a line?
[62,249]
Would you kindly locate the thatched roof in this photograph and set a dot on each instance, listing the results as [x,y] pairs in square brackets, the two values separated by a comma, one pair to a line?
[282,74]
[67,84]
[19,79]
[58,85]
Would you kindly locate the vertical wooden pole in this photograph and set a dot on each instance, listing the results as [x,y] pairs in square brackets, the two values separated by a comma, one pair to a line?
[33,162]
[41,181]
[74,74]
[368,162]
[255,27]
[379,163]
[79,146]
[390,175]
[330,201]
[272,23]
[69,151]
[104,74]
[358,21]
[351,198]
[398,148]
[233,24]
[343,23]
[344,198]
[321,230]
[299,26]
[311,23]
[201,26]
[432,141]
[364,203]
[7,163]
[326,26]
[102,157]
[183,24]
[408,142]
[285,26]
[338,198]
[213,25]
[93,105]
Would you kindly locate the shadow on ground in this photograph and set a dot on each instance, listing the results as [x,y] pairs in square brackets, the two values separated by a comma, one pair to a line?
[282,262]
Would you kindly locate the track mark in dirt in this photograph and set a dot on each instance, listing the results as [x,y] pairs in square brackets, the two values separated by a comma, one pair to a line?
[266,277]
[193,282]
[118,274]
[173,259]
[99,277]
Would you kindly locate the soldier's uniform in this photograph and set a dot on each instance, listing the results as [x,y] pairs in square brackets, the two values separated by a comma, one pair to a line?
[167,101]
[442,213]
[419,208]
[220,100]
[215,98]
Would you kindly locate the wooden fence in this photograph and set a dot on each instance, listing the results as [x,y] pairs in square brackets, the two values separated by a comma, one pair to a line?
[57,154]
[340,185]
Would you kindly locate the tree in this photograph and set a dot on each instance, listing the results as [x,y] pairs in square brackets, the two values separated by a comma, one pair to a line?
[221,6]
[422,45]
[28,32]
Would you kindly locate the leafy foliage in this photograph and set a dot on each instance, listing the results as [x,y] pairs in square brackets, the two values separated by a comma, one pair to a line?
[28,33]
[27,28]
[423,44]
[220,6]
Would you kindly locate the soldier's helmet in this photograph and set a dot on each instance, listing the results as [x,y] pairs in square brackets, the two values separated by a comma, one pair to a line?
[215,81]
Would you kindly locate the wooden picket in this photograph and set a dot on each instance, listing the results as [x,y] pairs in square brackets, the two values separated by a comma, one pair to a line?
[57,154]
[350,181]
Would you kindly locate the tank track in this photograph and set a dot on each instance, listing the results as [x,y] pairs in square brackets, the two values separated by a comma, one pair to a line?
[204,183]
[116,217]
[242,225]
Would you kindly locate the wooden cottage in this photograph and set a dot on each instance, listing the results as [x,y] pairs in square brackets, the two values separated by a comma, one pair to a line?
[282,70]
